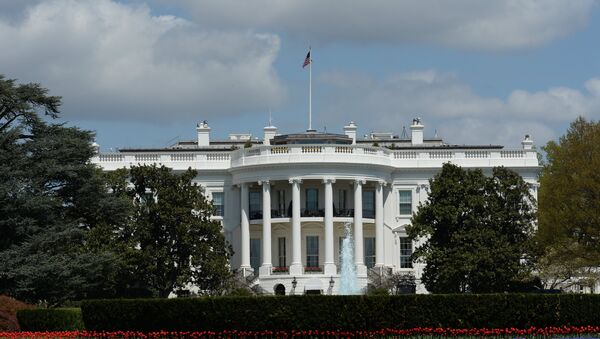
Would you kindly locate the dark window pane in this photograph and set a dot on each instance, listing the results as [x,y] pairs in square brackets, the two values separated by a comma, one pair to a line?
[218,204]
[405,198]
[405,252]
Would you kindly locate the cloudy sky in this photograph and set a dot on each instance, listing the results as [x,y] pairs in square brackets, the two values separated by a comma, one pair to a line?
[143,73]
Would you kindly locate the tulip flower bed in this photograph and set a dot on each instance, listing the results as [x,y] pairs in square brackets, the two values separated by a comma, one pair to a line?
[414,333]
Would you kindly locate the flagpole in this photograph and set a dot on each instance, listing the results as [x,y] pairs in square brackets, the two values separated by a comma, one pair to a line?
[310,93]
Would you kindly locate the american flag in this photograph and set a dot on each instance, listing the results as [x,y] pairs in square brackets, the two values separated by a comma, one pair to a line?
[308,60]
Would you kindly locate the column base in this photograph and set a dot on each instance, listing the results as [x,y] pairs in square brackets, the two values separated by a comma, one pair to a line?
[361,270]
[246,270]
[264,270]
[330,269]
[296,269]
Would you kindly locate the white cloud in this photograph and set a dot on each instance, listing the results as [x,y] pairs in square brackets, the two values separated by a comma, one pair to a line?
[465,24]
[451,107]
[112,60]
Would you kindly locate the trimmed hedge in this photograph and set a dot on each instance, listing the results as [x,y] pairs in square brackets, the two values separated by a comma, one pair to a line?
[50,319]
[342,312]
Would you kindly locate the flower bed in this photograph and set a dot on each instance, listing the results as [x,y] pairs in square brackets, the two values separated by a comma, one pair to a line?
[420,332]
[280,269]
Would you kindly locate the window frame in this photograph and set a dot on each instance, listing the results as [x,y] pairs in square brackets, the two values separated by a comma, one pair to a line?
[306,201]
[405,258]
[400,203]
[311,257]
[215,206]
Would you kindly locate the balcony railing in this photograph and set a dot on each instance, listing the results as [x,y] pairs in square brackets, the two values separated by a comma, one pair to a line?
[312,213]
[338,213]
[264,155]
[343,213]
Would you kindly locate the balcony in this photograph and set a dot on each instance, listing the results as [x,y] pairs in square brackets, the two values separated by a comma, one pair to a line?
[379,156]
[306,213]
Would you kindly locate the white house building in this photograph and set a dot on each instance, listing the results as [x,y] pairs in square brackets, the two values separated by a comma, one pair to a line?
[284,201]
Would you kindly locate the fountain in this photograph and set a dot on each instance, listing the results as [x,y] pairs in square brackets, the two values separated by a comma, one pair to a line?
[348,278]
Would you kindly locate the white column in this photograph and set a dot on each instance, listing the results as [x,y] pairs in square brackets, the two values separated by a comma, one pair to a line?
[245,227]
[330,268]
[265,268]
[296,265]
[359,256]
[379,260]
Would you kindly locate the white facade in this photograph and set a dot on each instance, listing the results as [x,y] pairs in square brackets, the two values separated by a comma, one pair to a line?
[285,201]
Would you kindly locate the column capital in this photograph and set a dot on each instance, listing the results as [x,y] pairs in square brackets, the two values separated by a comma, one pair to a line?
[264,182]
[359,181]
[295,181]
[329,180]
[382,183]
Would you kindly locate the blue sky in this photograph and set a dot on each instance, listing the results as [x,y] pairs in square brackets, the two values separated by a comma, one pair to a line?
[143,73]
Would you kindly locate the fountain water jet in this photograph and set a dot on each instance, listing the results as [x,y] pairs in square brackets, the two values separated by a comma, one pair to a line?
[348,278]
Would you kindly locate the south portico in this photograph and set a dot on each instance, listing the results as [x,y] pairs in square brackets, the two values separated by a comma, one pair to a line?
[318,209]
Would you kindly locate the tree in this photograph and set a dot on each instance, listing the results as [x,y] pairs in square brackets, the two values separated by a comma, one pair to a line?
[172,240]
[51,196]
[569,198]
[476,231]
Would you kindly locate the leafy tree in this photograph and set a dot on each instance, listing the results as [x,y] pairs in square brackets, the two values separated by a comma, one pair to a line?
[172,240]
[569,198]
[51,196]
[476,231]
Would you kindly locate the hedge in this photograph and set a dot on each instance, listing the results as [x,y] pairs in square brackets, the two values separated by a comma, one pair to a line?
[50,319]
[280,313]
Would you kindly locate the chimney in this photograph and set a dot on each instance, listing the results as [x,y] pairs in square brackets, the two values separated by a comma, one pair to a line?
[270,132]
[203,134]
[350,131]
[527,142]
[416,130]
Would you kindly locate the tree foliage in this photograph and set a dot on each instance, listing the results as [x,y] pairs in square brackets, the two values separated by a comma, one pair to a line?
[50,197]
[171,240]
[476,231]
[569,198]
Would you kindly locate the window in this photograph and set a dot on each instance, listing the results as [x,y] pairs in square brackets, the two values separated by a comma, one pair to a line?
[255,253]
[312,251]
[217,200]
[281,243]
[312,200]
[281,204]
[405,252]
[368,204]
[405,198]
[369,252]
[343,196]
[255,205]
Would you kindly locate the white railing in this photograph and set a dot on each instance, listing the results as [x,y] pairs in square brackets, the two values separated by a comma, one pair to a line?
[183,157]
[405,155]
[217,156]
[377,156]
[512,154]
[477,154]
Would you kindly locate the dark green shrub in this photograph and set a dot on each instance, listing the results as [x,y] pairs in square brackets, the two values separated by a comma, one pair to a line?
[50,319]
[318,312]
[378,291]
[240,292]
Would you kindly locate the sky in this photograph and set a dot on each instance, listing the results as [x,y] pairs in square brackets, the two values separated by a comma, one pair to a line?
[144,73]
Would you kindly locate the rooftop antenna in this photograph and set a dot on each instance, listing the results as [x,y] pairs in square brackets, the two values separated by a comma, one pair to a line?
[404,134]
